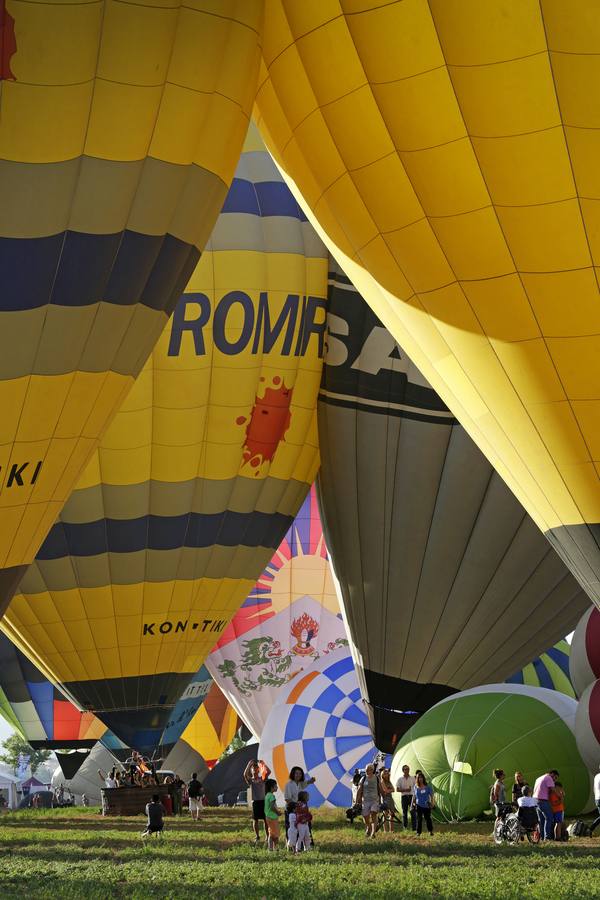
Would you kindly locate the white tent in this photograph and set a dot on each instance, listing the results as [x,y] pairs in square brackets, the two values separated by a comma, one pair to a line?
[8,788]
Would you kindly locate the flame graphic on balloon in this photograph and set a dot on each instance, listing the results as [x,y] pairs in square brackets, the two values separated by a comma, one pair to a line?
[304,629]
[8,43]
[269,420]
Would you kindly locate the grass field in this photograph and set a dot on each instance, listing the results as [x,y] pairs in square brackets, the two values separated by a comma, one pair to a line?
[76,853]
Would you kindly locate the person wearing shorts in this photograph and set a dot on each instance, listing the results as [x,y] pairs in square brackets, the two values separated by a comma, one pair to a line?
[369,798]
[255,776]
[557,802]
[271,814]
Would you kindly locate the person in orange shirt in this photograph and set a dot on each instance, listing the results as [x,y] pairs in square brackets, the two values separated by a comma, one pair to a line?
[557,803]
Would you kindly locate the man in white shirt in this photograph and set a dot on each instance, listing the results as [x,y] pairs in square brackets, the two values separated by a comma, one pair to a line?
[596,799]
[405,787]
[108,779]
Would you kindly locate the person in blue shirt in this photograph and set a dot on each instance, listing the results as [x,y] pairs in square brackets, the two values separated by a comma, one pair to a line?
[424,801]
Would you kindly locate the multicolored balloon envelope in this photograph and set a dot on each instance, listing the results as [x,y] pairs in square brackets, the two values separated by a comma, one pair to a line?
[37,710]
[548,670]
[116,152]
[198,477]
[319,723]
[448,151]
[290,619]
[158,743]
[459,742]
[446,582]
[213,727]
[584,661]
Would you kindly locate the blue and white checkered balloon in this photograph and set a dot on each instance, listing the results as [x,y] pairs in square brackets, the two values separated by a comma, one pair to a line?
[320,724]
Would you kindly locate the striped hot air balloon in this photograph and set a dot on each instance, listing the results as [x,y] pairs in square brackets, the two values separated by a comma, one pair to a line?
[37,710]
[198,477]
[548,670]
[120,127]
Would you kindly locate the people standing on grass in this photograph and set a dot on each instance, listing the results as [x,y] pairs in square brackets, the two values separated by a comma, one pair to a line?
[498,793]
[541,791]
[424,801]
[517,788]
[557,802]
[292,832]
[369,797]
[195,792]
[405,787]
[387,798]
[303,820]
[272,814]
[297,782]
[255,776]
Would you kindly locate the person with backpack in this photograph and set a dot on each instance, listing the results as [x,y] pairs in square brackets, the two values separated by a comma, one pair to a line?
[369,798]
[195,793]
[424,801]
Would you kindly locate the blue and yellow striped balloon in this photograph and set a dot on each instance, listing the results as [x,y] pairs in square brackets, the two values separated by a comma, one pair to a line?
[121,124]
[548,670]
[199,476]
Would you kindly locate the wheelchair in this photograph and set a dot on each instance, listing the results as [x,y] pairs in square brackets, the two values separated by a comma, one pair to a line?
[512,829]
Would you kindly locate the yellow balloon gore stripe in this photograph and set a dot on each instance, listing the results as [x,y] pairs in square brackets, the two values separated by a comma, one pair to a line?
[89,634]
[57,421]
[202,469]
[465,209]
[122,81]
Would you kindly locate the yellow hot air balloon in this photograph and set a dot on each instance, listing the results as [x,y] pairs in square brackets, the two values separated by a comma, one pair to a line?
[198,477]
[448,151]
[120,127]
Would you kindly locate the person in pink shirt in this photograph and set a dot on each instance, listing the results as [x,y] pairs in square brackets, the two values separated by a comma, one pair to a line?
[541,791]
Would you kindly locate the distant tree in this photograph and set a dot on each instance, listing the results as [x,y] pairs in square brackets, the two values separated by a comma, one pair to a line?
[236,744]
[14,745]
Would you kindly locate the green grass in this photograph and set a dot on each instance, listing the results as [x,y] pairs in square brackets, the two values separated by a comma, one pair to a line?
[76,853]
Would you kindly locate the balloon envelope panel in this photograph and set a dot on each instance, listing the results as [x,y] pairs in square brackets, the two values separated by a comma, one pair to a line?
[290,618]
[319,724]
[465,207]
[587,726]
[446,582]
[460,741]
[585,651]
[36,709]
[213,727]
[199,475]
[107,200]
[548,670]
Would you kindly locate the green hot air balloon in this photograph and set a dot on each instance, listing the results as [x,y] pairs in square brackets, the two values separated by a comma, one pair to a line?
[460,741]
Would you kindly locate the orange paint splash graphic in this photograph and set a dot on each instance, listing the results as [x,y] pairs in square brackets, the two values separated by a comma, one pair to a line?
[8,43]
[268,422]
